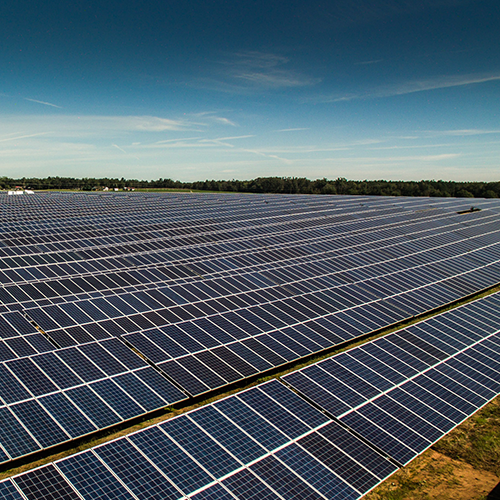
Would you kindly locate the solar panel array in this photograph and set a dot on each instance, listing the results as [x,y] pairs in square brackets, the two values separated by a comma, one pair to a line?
[404,391]
[263,442]
[112,306]
[399,394]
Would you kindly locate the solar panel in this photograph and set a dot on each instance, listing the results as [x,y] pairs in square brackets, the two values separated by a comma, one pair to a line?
[224,448]
[415,393]
[82,470]
[44,484]
[210,290]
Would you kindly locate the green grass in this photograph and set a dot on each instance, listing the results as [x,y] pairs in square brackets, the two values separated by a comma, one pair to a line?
[476,441]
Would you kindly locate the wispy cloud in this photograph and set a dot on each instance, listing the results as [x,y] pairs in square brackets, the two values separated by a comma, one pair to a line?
[123,151]
[413,86]
[184,139]
[292,129]
[102,126]
[22,137]
[213,117]
[219,139]
[43,102]
[460,133]
[252,71]
[267,155]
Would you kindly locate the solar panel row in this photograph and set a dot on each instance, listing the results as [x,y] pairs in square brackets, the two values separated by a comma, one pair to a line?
[404,391]
[24,292]
[57,396]
[265,441]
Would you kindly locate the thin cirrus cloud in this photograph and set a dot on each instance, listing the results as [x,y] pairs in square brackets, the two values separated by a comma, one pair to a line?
[414,86]
[460,133]
[105,126]
[123,151]
[17,137]
[253,71]
[292,129]
[194,142]
[43,102]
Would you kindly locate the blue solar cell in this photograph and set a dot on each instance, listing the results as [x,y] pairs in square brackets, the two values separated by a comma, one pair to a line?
[181,469]
[283,480]
[93,406]
[45,483]
[470,384]
[218,366]
[20,323]
[252,423]
[339,462]
[67,415]
[213,330]
[80,364]
[139,391]
[476,371]
[105,361]
[235,361]
[357,450]
[274,413]
[14,437]
[161,338]
[201,447]
[412,420]
[369,369]
[75,313]
[90,477]
[6,329]
[11,390]
[433,401]
[313,336]
[135,471]
[293,403]
[118,399]
[95,313]
[227,434]
[355,381]
[215,492]
[126,356]
[403,354]
[247,486]
[160,385]
[31,376]
[394,427]
[393,361]
[250,356]
[276,347]
[316,474]
[146,347]
[39,342]
[8,491]
[182,338]
[39,423]
[327,400]
[465,394]
[384,440]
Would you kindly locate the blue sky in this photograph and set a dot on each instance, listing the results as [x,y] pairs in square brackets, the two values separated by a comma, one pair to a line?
[379,89]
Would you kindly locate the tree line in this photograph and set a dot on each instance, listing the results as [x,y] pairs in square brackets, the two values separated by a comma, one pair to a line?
[289,185]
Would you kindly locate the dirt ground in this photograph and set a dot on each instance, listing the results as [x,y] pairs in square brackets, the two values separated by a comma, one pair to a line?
[464,465]
[438,477]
